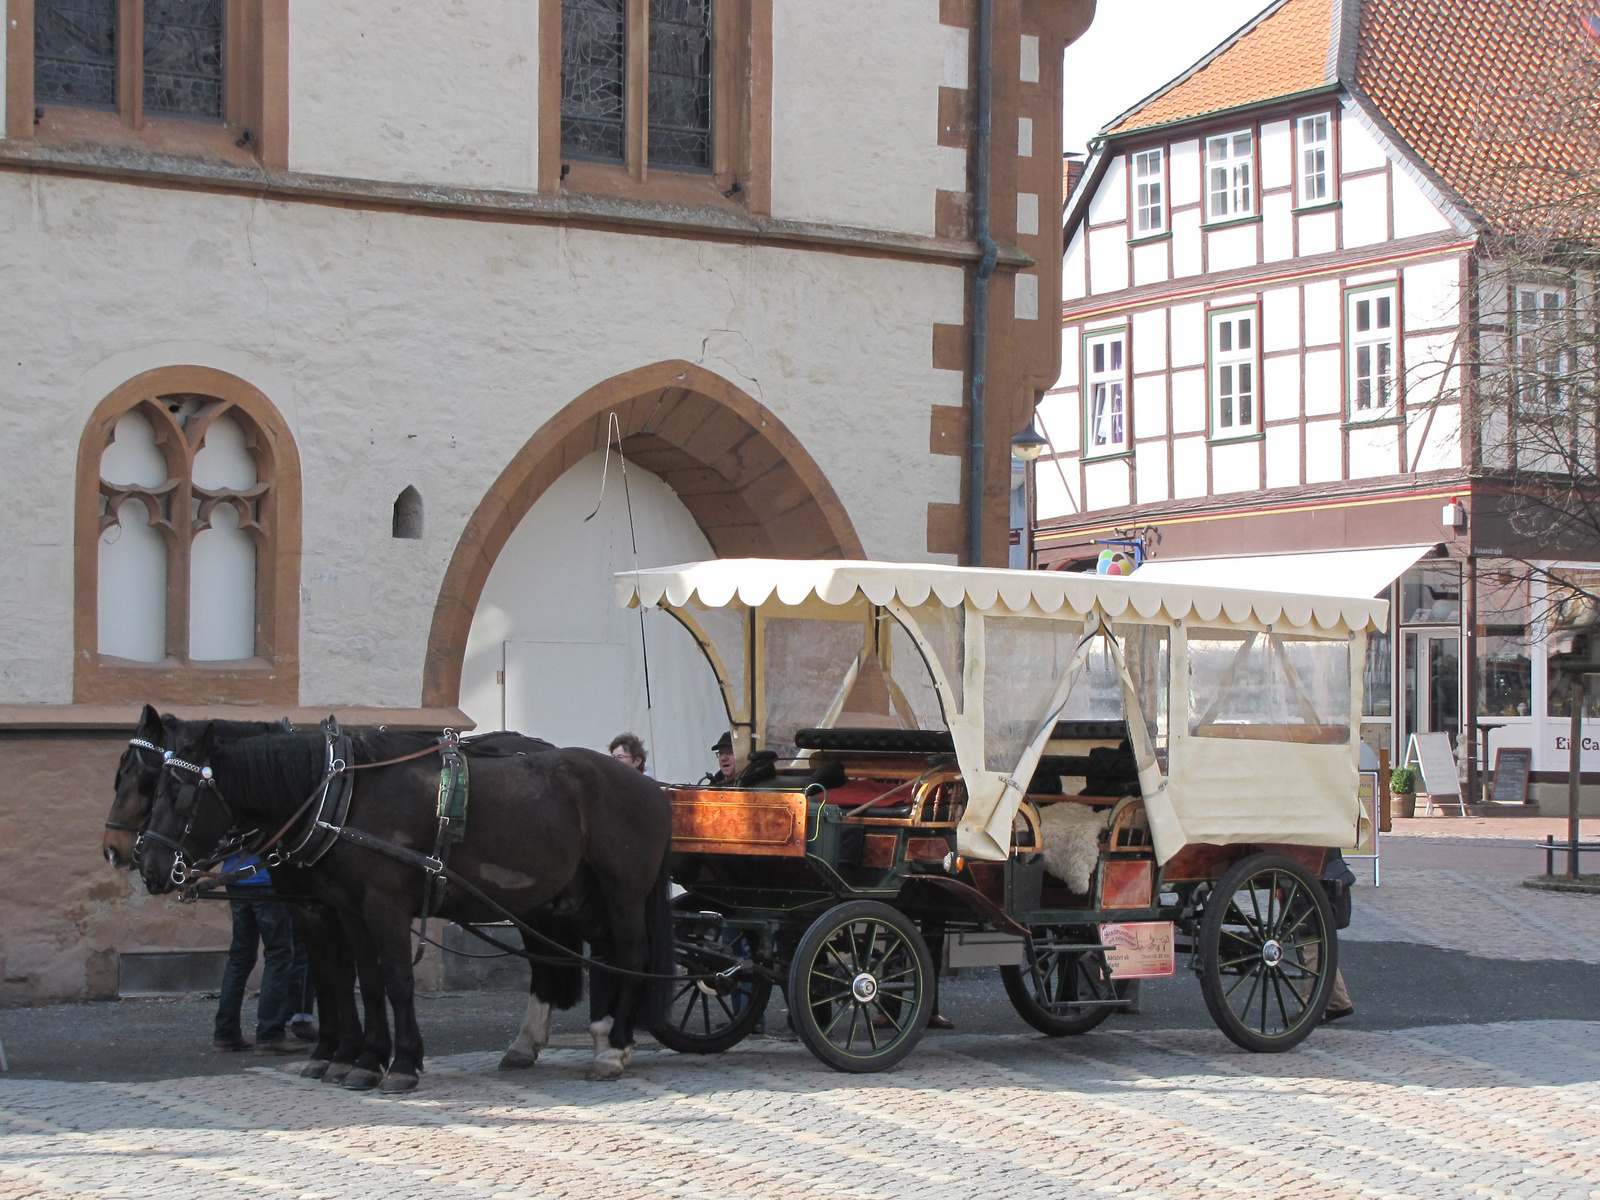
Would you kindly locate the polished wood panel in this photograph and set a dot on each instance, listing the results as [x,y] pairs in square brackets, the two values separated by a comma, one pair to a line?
[877,850]
[1197,861]
[926,849]
[718,822]
[1127,883]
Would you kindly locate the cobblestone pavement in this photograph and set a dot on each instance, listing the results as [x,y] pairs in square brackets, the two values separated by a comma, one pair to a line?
[1482,1111]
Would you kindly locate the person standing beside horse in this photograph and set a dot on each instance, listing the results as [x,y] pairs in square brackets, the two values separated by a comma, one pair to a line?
[256,919]
[626,747]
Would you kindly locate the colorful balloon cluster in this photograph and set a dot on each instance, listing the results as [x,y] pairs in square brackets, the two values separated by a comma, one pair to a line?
[1114,562]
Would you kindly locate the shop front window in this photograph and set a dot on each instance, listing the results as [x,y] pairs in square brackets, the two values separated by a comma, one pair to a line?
[1505,662]
[1431,595]
[1574,627]
[1377,677]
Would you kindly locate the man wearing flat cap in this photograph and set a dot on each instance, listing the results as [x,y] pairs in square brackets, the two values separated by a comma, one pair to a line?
[727,768]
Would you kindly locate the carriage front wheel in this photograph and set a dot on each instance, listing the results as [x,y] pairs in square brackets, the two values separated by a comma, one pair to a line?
[710,1015]
[1268,953]
[861,987]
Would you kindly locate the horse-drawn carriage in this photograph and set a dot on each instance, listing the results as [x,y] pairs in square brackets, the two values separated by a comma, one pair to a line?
[1079,779]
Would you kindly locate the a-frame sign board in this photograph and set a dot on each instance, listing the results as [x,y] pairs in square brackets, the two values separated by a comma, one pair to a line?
[1431,752]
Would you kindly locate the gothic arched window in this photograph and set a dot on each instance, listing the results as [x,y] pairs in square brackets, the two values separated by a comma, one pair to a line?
[188,544]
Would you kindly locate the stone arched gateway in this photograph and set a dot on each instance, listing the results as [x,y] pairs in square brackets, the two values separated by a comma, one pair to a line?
[750,485]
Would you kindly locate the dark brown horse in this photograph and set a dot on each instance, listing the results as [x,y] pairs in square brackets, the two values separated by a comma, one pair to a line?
[332,964]
[571,842]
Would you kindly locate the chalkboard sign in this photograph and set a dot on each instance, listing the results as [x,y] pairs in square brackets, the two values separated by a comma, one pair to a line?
[1511,767]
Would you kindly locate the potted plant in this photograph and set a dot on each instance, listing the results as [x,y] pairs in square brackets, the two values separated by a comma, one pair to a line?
[1403,786]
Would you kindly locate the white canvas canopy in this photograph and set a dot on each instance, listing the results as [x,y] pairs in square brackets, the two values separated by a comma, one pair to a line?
[1254,740]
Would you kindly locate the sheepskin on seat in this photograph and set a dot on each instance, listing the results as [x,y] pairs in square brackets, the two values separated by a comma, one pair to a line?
[1072,842]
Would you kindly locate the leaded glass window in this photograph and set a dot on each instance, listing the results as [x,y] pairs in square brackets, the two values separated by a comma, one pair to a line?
[75,52]
[183,57]
[593,67]
[680,83]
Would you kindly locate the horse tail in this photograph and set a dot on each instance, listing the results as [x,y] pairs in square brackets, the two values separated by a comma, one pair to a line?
[661,961]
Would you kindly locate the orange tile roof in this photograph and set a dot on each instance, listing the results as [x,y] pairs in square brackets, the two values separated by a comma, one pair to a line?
[1284,52]
[1498,97]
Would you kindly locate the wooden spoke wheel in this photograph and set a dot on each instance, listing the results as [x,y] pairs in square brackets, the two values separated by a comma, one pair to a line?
[1268,953]
[1062,987]
[861,987]
[708,1016]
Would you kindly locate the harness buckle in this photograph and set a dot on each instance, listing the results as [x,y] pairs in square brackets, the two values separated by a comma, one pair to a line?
[432,866]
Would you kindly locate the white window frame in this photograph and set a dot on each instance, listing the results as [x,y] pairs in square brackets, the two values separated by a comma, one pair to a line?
[1316,182]
[1230,175]
[1372,354]
[1148,171]
[1106,416]
[1234,344]
[1533,318]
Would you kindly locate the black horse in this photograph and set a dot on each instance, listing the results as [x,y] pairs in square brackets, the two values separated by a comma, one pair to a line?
[572,842]
[333,972]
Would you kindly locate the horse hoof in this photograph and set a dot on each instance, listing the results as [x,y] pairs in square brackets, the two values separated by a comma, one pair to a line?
[316,1068]
[603,1071]
[395,1082]
[336,1072]
[518,1060]
[361,1080]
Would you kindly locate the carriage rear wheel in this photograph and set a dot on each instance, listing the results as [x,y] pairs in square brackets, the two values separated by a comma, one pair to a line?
[1062,987]
[708,1016]
[1268,953]
[861,987]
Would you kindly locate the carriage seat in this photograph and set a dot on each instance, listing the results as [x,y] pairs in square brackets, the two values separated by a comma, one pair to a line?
[878,741]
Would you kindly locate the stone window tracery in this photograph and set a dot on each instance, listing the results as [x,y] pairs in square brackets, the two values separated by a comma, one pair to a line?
[191,517]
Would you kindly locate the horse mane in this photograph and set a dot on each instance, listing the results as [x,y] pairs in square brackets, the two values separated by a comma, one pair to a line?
[270,776]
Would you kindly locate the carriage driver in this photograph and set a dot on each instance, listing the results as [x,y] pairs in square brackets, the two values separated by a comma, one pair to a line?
[727,767]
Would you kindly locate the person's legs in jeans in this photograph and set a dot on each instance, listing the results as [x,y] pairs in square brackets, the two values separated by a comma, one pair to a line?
[241,961]
[302,989]
[275,1006]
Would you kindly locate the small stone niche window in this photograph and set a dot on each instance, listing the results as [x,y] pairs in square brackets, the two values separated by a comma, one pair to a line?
[408,514]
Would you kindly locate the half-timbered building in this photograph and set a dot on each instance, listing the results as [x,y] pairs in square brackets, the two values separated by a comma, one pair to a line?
[1279,287]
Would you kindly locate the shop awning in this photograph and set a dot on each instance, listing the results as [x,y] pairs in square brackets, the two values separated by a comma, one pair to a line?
[1320,573]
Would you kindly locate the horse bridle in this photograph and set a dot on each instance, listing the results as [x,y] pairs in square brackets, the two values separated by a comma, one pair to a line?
[187,805]
[139,745]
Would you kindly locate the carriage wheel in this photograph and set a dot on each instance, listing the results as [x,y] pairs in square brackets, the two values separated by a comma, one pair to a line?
[861,987]
[1054,990]
[1267,953]
[708,1016]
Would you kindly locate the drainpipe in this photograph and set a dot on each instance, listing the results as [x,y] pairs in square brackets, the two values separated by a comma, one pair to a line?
[976,473]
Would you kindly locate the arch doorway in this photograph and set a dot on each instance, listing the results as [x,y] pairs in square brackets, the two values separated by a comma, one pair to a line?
[713,474]
[550,652]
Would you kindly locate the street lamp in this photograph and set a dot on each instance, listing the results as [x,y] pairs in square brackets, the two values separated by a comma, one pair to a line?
[1028,444]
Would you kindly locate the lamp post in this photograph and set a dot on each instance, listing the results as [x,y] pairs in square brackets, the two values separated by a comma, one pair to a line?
[1028,444]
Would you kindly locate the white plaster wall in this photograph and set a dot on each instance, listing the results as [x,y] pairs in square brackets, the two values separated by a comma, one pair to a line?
[1108,259]
[538,619]
[1236,467]
[1277,155]
[1188,468]
[1365,210]
[1414,213]
[1432,294]
[1324,452]
[1283,456]
[417,93]
[1358,149]
[1110,200]
[1229,249]
[411,350]
[1150,406]
[1188,401]
[1435,437]
[1061,420]
[1107,484]
[1150,472]
[1188,335]
[1318,233]
[1149,337]
[1055,489]
[1322,313]
[1074,263]
[1280,388]
[1186,242]
[1277,227]
[1280,319]
[1150,263]
[855,112]
[1324,382]
[1183,173]
[1071,346]
[1374,450]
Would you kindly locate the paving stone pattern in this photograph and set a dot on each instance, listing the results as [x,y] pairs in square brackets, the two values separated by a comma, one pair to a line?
[1507,1110]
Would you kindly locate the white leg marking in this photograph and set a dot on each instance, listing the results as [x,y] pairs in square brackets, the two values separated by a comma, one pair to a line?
[608,1060]
[535,1031]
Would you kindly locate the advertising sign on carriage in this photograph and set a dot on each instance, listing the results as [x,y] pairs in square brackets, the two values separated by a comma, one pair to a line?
[1139,949]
